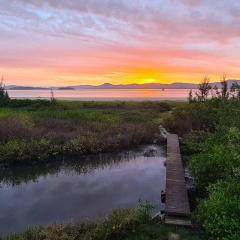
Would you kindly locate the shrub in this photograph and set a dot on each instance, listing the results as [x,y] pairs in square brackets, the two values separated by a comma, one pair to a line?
[17,151]
[16,127]
[219,215]
[211,131]
[82,145]
[193,141]
[28,104]
[220,154]
[193,116]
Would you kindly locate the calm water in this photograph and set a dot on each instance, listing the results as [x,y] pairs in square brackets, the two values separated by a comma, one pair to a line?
[87,188]
[106,94]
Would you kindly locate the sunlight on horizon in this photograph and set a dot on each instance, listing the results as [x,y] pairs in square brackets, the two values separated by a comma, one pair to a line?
[55,44]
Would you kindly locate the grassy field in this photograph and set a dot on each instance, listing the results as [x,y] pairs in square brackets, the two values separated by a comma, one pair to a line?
[40,130]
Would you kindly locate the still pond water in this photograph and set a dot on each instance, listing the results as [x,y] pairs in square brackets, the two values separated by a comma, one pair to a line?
[83,189]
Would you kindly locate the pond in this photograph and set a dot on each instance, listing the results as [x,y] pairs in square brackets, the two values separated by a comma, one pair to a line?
[78,190]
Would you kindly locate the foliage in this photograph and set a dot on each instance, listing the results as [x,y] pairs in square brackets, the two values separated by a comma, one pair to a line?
[190,97]
[215,160]
[219,156]
[235,91]
[223,94]
[38,130]
[192,142]
[20,151]
[193,116]
[206,91]
[52,97]
[3,94]
[121,225]
[211,136]
[220,213]
[203,90]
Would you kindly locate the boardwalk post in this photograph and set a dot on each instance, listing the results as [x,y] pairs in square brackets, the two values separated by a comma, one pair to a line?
[177,204]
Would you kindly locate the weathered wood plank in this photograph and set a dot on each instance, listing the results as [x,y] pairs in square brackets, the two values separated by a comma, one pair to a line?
[178,221]
[177,203]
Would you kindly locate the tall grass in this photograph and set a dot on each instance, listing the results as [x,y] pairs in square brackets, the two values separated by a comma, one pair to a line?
[121,225]
[38,130]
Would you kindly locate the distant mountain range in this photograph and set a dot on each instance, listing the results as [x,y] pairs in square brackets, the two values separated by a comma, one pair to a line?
[15,87]
[122,86]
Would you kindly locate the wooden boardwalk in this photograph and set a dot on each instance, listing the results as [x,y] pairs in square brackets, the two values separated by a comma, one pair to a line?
[177,204]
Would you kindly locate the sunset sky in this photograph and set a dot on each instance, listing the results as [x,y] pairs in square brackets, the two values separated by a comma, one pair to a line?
[71,42]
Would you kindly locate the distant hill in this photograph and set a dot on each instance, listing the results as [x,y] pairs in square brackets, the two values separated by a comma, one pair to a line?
[13,87]
[66,88]
[122,86]
[150,86]
[138,86]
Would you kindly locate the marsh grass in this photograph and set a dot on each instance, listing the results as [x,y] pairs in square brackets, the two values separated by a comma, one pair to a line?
[121,225]
[38,130]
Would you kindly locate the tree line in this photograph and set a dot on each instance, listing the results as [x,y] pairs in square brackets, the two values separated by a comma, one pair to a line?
[206,91]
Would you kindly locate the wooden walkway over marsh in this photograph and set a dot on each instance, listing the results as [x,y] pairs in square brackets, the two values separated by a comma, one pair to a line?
[177,209]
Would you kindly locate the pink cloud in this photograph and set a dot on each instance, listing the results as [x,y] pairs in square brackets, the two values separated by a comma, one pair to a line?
[101,37]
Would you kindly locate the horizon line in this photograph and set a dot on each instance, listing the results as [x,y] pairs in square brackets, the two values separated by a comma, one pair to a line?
[114,85]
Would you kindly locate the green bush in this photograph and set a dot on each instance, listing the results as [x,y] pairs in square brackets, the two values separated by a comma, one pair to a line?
[211,136]
[193,116]
[219,215]
[192,142]
[219,155]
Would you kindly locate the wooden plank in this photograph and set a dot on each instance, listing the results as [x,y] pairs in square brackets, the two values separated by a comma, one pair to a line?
[177,203]
[178,221]
[173,175]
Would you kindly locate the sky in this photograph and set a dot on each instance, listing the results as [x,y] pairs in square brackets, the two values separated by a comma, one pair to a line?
[77,42]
